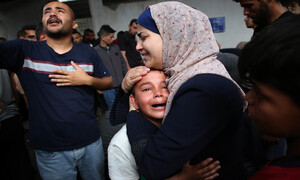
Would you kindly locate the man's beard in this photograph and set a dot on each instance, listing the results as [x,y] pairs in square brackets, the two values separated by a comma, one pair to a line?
[262,18]
[57,34]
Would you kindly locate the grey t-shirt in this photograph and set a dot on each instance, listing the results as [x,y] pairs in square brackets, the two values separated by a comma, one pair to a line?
[9,107]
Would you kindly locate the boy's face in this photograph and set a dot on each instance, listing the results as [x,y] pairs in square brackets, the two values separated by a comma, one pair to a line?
[151,96]
[273,112]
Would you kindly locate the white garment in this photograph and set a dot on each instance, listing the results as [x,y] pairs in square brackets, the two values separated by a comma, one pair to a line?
[121,163]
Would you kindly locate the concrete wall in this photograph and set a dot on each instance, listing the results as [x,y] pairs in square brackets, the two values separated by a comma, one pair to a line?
[17,15]
[119,15]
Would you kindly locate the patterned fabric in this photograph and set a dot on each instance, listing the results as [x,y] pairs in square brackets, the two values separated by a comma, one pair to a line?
[189,46]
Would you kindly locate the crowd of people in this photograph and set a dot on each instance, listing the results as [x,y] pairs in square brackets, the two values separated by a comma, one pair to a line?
[177,106]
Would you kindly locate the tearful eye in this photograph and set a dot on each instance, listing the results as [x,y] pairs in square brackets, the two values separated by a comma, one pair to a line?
[146,89]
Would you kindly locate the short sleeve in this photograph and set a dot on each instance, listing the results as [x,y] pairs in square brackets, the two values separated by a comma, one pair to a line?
[100,69]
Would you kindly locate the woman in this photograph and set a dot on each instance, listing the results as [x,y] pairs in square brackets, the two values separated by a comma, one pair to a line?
[204,109]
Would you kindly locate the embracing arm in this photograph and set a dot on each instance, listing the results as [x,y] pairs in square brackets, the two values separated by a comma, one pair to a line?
[197,116]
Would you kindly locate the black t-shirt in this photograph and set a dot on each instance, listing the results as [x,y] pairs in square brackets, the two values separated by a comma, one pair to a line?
[127,42]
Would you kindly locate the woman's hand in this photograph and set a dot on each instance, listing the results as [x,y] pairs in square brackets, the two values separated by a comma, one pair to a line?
[132,76]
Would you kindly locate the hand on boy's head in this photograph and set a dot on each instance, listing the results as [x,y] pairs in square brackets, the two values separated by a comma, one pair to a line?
[133,76]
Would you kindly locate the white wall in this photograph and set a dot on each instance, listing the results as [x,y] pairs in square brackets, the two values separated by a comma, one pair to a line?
[13,19]
[118,17]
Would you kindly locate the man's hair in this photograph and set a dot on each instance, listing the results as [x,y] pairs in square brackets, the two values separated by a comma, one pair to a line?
[39,30]
[76,32]
[273,57]
[132,21]
[72,12]
[105,30]
[120,33]
[2,39]
[87,31]
[286,3]
[22,33]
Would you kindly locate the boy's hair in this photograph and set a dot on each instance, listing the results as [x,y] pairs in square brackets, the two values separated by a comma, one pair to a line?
[105,30]
[273,57]
[132,90]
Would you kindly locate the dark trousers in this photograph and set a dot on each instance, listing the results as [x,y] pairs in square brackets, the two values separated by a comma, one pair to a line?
[14,158]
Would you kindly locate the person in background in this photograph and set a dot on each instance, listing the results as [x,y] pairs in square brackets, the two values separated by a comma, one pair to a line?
[112,59]
[77,37]
[271,63]
[292,5]
[40,33]
[27,32]
[88,37]
[127,43]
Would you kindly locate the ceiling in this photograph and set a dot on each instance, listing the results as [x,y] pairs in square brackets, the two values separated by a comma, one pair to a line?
[80,7]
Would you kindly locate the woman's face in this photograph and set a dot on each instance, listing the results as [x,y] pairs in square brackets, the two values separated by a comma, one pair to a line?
[150,47]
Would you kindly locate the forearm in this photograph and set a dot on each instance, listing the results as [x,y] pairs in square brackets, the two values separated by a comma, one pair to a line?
[125,58]
[120,108]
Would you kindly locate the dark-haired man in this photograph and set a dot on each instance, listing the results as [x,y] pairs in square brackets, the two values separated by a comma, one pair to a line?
[27,32]
[113,60]
[263,12]
[88,37]
[292,5]
[76,36]
[127,43]
[60,78]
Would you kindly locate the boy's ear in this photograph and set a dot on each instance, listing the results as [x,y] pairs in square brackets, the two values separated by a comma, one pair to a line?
[132,101]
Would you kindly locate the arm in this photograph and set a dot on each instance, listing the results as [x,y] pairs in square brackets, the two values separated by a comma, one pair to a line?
[120,108]
[80,77]
[125,58]
[123,45]
[197,116]
[11,54]
[124,64]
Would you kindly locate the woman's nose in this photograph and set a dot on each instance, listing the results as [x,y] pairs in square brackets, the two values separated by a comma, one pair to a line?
[139,46]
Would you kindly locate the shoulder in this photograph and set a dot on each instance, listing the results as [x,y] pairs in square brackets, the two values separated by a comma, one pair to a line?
[214,87]
[208,82]
[120,139]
